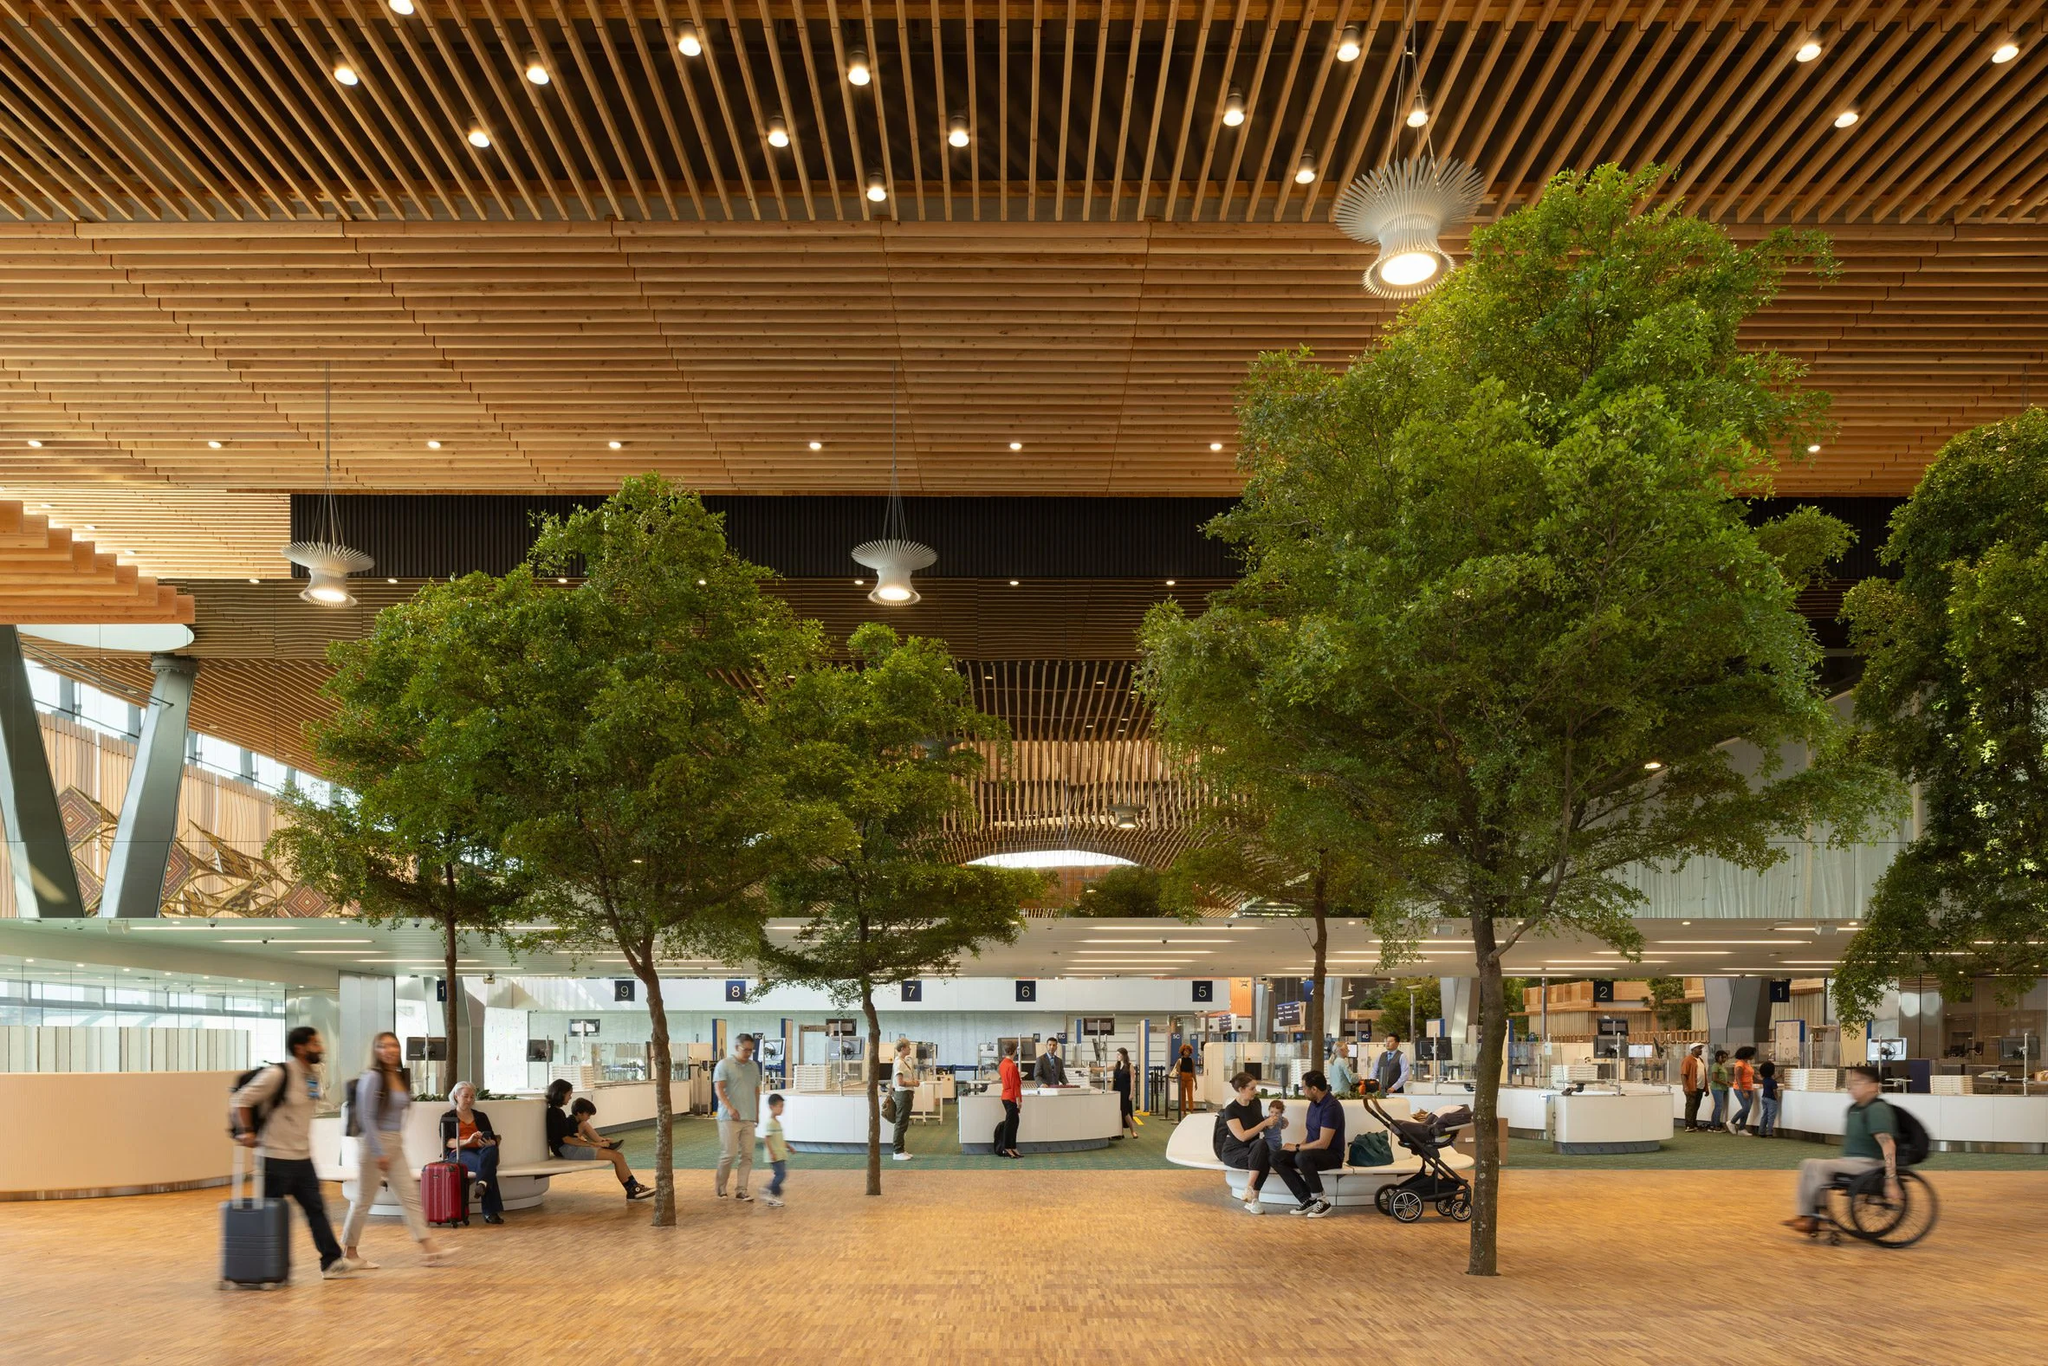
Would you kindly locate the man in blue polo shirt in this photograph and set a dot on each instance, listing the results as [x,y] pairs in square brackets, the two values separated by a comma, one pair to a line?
[1302,1164]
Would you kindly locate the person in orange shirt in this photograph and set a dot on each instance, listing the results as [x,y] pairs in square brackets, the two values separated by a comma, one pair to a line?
[1692,1079]
[1012,1083]
[1744,1087]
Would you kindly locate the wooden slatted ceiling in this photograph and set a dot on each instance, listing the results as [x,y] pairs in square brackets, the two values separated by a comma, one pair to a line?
[717,353]
[49,576]
[229,109]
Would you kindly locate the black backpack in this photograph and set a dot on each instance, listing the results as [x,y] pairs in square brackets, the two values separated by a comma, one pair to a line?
[261,1111]
[1223,1135]
[1914,1142]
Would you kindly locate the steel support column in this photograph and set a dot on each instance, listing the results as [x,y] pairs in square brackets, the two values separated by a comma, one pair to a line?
[38,852]
[149,813]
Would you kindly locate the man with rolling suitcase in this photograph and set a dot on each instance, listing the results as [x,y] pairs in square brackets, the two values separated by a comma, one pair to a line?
[273,1112]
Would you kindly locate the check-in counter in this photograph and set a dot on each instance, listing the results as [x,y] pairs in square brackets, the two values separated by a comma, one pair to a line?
[1637,1120]
[1049,1120]
[68,1134]
[2012,1124]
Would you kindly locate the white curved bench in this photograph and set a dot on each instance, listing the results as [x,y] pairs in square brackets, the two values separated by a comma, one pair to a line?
[1193,1144]
[524,1165]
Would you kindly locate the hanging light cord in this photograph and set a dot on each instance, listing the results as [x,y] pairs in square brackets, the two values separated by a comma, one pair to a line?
[894,525]
[1408,60]
[327,443]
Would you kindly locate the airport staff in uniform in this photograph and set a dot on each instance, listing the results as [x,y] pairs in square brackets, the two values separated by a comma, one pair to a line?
[1050,1070]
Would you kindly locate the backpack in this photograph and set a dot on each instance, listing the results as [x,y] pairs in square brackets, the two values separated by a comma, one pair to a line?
[260,1112]
[1223,1137]
[351,1119]
[1913,1139]
[1369,1150]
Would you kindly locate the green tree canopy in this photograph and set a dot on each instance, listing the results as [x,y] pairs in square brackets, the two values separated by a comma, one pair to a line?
[879,745]
[405,835]
[1501,596]
[1955,698]
[1131,892]
[623,730]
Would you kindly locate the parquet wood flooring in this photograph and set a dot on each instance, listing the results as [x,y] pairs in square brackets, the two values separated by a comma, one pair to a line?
[1110,1267]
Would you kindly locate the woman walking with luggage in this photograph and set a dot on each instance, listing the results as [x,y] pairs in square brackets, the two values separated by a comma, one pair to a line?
[382,1095]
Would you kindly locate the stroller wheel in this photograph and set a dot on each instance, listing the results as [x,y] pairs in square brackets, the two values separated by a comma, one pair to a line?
[1456,1207]
[1406,1206]
[1380,1199]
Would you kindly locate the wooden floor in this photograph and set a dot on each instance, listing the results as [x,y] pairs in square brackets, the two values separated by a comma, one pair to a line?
[1607,1267]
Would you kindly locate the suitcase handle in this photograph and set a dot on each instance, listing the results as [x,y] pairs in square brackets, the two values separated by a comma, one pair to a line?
[255,1193]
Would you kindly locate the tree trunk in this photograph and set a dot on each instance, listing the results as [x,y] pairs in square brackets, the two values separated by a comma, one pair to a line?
[867,1008]
[1483,1259]
[451,1012]
[664,1106]
[1312,1018]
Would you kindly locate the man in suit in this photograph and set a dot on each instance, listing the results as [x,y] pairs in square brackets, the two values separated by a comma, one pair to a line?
[1050,1070]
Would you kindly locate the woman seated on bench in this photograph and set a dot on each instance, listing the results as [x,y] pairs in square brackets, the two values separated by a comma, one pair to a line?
[1240,1137]
[467,1137]
[571,1137]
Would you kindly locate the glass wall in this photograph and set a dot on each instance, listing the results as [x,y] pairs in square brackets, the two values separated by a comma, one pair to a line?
[111,1019]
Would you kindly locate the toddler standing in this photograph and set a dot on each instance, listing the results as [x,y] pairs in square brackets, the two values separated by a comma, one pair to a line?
[778,1152]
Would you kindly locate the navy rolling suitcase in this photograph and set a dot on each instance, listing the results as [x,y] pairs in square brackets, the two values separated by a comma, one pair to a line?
[255,1234]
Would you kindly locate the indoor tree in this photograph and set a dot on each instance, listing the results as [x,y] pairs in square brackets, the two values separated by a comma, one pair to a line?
[624,728]
[1501,596]
[890,746]
[1954,697]
[402,836]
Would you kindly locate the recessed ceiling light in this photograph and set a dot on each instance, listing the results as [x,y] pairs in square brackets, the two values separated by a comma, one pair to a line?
[1169,583]
[35,443]
[479,138]
[1653,764]
[778,132]
[857,66]
[1016,445]
[433,445]
[87,527]
[1845,118]
[687,41]
[391,580]
[1348,46]
[400,6]
[1215,445]
[877,190]
[2004,52]
[1418,113]
[561,580]
[213,445]
[1808,50]
[1233,110]
[345,73]
[616,445]
[956,133]
[1013,583]
[1813,449]
[255,581]
[860,583]
[536,72]
[700,583]
[817,445]
[1305,170]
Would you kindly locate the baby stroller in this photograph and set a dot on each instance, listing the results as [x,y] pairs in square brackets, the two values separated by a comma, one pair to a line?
[1436,1183]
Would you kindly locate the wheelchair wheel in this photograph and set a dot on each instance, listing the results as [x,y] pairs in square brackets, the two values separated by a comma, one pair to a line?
[1456,1207]
[1406,1206]
[1877,1219]
[1381,1199]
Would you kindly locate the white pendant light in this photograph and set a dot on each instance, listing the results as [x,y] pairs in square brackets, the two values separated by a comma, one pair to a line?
[1404,207]
[895,557]
[328,563]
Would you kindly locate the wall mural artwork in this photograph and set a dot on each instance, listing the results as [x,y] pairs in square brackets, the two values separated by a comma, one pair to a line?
[205,875]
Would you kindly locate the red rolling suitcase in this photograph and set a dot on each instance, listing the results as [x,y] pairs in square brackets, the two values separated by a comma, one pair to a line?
[444,1193]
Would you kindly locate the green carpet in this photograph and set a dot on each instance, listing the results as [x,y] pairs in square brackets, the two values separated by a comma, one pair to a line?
[938,1146]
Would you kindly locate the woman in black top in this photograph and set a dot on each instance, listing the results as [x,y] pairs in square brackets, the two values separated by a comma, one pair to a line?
[572,1138]
[1121,1080]
[467,1137]
[1239,1141]
[1184,1071]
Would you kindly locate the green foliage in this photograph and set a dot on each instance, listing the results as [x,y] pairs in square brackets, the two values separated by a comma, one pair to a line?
[883,902]
[1393,998]
[1133,892]
[1955,698]
[620,737]
[1668,1003]
[406,835]
[1500,566]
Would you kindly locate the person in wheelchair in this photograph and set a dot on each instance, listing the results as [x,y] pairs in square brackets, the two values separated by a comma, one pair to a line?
[1870,1139]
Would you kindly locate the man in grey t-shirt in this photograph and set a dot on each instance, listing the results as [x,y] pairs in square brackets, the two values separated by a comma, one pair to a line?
[737,1081]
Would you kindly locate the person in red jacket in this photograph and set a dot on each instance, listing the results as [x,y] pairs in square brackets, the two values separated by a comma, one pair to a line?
[1012,1082]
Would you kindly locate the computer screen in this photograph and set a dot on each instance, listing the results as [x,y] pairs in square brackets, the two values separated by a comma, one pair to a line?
[1887,1050]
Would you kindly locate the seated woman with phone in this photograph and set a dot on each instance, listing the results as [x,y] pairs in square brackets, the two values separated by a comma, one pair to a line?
[467,1137]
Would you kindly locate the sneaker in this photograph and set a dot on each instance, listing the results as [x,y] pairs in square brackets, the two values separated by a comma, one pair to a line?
[771,1202]
[494,1218]
[337,1270]
[1303,1208]
[1322,1207]
[742,1197]
[362,1264]
[1252,1207]
[640,1192]
[905,1157]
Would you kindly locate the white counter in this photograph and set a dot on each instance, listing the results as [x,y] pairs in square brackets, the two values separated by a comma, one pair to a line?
[1063,1121]
[828,1122]
[1983,1123]
[1590,1122]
